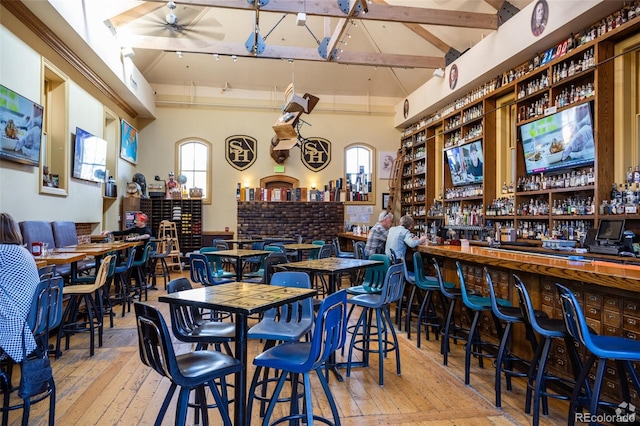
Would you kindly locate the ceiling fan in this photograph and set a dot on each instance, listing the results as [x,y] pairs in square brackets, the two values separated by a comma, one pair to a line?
[171,19]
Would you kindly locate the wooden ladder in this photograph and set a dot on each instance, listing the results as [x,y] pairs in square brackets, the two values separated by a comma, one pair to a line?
[395,182]
[166,231]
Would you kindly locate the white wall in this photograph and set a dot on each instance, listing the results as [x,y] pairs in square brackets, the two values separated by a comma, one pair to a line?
[19,184]
[157,141]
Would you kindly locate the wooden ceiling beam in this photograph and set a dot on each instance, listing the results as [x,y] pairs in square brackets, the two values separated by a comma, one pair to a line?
[284,52]
[134,13]
[496,4]
[401,14]
[419,30]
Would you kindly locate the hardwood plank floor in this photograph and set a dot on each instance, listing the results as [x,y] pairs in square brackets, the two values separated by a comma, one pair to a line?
[114,388]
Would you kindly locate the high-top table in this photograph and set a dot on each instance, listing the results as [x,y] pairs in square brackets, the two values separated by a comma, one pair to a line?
[300,247]
[242,299]
[333,266]
[240,254]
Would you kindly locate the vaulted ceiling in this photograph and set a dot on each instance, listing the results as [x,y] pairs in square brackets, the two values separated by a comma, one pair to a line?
[372,48]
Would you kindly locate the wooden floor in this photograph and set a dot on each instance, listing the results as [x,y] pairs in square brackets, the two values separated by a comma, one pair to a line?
[114,388]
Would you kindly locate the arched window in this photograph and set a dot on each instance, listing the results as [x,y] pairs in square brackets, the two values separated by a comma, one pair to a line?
[359,179]
[194,162]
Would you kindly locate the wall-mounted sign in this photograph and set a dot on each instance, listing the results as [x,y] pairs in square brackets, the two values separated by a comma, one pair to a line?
[241,151]
[316,153]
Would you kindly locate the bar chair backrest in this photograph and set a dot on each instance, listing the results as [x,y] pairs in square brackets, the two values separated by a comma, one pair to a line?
[575,320]
[330,330]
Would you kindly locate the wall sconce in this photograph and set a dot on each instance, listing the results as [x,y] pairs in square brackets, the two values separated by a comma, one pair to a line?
[313,186]
[127,52]
[438,72]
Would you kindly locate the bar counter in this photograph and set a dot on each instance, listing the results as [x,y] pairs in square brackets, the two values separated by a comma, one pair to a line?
[606,274]
[609,293]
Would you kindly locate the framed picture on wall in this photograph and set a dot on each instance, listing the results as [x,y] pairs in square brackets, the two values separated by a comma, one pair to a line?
[385,200]
[128,142]
[385,164]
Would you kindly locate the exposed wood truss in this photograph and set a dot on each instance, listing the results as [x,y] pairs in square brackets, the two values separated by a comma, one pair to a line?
[376,10]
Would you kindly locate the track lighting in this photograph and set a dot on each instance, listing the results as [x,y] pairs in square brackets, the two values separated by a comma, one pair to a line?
[179,55]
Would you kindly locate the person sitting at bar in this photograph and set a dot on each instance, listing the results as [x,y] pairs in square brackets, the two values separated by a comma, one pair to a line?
[400,237]
[135,233]
[18,282]
[377,238]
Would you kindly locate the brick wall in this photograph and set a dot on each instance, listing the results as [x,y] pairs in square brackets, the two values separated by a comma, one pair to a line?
[84,232]
[313,220]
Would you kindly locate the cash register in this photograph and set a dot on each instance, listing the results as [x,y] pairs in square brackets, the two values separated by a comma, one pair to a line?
[608,239]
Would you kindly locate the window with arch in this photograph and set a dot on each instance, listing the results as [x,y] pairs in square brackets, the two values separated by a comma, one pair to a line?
[194,161]
[359,179]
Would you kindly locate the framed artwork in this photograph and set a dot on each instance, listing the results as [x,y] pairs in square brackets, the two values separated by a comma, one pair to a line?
[453,77]
[385,163]
[539,17]
[385,200]
[128,142]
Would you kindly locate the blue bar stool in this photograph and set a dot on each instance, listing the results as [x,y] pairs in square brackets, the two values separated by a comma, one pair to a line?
[450,330]
[378,305]
[548,329]
[288,323]
[295,358]
[188,371]
[427,314]
[622,350]
[475,344]
[505,359]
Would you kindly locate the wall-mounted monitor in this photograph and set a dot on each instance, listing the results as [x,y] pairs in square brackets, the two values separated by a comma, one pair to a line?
[89,156]
[563,140]
[466,164]
[20,128]
[610,231]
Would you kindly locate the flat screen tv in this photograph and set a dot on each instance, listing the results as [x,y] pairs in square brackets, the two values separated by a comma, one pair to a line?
[563,140]
[466,163]
[89,156]
[20,128]
[610,231]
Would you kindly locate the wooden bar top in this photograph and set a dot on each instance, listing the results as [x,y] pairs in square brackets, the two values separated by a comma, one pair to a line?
[606,274]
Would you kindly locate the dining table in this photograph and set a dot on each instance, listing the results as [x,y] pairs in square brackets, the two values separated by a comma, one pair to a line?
[239,255]
[97,250]
[241,242]
[54,258]
[332,266]
[242,299]
[301,247]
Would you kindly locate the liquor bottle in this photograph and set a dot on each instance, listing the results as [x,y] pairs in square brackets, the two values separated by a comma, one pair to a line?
[238,192]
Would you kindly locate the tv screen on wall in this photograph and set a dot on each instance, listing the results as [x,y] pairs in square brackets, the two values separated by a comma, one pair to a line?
[563,140]
[466,164]
[89,156]
[21,128]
